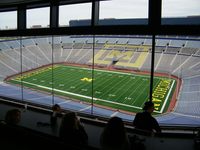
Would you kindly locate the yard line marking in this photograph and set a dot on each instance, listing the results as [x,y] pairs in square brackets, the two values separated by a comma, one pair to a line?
[130,87]
[129,74]
[141,92]
[163,106]
[141,84]
[79,95]
[147,98]
[105,93]
[121,87]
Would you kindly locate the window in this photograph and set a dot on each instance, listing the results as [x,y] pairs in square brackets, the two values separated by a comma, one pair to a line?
[8,20]
[105,74]
[38,18]
[180,12]
[75,15]
[177,58]
[119,12]
[10,64]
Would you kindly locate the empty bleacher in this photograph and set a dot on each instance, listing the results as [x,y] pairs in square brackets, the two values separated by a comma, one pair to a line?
[173,56]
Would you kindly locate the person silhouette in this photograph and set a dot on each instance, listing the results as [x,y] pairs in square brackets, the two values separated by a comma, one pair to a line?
[13,117]
[145,121]
[114,136]
[72,131]
[55,114]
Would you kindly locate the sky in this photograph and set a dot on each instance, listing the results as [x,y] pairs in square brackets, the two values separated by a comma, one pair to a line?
[121,9]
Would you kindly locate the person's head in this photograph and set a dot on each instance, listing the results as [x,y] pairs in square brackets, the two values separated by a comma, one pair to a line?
[115,123]
[69,120]
[13,116]
[148,106]
[114,132]
[56,107]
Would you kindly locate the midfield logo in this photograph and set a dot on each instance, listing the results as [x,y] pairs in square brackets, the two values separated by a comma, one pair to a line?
[87,79]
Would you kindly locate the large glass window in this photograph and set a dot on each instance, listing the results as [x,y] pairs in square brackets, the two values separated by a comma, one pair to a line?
[8,20]
[75,15]
[117,12]
[105,75]
[177,62]
[10,65]
[37,75]
[180,12]
[121,77]
[38,17]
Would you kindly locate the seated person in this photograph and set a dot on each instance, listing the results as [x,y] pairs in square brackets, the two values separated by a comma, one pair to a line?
[145,121]
[71,130]
[114,135]
[55,114]
[13,117]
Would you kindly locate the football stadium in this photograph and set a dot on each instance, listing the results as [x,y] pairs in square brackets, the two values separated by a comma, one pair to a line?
[100,74]
[118,82]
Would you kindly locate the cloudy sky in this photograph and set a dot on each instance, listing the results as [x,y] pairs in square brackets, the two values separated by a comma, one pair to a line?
[121,9]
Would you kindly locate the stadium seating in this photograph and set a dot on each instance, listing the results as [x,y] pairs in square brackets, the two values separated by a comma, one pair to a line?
[173,57]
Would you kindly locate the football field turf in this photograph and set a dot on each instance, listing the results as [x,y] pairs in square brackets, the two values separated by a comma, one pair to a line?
[118,90]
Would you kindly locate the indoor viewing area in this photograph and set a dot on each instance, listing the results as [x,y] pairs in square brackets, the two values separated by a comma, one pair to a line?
[100,74]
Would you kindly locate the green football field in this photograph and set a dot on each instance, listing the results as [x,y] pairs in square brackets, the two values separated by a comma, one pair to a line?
[118,90]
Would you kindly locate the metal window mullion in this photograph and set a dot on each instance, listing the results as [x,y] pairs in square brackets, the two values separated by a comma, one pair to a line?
[54,14]
[21,69]
[154,16]
[52,65]
[21,17]
[152,67]
[94,21]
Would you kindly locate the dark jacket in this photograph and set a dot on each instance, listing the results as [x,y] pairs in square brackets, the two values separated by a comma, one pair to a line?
[74,136]
[144,121]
